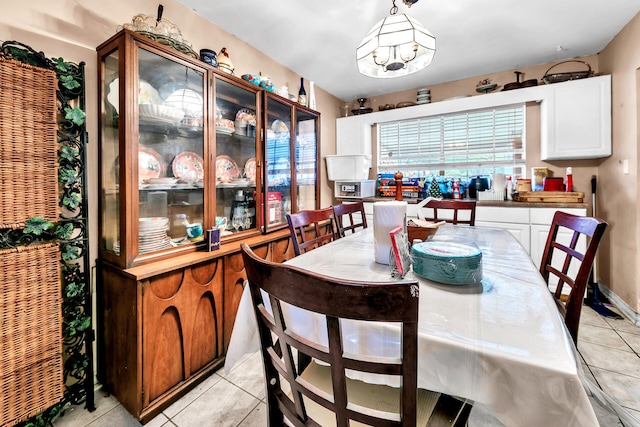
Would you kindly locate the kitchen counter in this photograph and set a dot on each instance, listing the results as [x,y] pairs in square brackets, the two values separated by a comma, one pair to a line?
[499,203]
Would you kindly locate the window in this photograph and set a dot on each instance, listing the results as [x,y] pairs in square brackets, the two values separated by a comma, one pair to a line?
[460,145]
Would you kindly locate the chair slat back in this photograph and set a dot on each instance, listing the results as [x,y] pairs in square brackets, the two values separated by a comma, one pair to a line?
[335,300]
[312,228]
[464,211]
[593,229]
[355,214]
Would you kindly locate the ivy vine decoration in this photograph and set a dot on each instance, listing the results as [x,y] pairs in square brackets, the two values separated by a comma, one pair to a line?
[45,230]
[68,79]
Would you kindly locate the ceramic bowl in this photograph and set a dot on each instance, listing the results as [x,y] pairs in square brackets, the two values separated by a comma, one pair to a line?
[267,85]
[252,78]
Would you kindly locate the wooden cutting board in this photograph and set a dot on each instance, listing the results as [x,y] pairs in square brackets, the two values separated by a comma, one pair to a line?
[551,197]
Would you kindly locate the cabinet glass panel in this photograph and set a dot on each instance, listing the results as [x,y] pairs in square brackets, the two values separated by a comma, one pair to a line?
[235,112]
[109,156]
[170,173]
[278,162]
[306,160]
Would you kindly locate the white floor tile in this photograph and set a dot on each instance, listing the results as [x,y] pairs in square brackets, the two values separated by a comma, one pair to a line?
[602,336]
[192,395]
[223,405]
[623,388]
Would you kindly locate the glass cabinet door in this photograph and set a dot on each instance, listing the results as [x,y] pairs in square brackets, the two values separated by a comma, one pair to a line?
[109,164]
[278,162]
[170,153]
[151,152]
[237,127]
[306,160]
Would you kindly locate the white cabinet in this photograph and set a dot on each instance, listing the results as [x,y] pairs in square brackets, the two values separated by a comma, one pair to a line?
[575,120]
[541,219]
[515,220]
[540,225]
[353,135]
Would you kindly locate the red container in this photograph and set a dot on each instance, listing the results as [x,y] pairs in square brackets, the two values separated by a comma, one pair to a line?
[553,184]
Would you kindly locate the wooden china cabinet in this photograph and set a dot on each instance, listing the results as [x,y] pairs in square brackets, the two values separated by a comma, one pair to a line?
[183,144]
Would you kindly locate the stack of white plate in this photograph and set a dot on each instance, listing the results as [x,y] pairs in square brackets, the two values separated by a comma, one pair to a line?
[152,234]
[424,96]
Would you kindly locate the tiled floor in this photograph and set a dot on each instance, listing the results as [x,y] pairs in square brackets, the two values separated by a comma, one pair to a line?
[610,351]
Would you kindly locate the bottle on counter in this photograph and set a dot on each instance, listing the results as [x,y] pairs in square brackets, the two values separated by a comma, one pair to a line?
[569,186]
[509,189]
[302,94]
[456,189]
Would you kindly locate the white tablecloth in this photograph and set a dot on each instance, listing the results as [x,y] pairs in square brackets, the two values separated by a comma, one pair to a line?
[501,343]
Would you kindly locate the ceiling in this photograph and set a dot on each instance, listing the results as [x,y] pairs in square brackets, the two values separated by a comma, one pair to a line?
[317,39]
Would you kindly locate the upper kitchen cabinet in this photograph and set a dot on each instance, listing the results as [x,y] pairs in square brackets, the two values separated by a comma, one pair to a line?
[291,160]
[353,135]
[576,120]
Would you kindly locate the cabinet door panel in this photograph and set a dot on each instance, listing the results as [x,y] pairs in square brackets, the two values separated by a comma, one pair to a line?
[204,345]
[234,278]
[539,235]
[168,286]
[576,120]
[182,326]
[165,367]
[282,250]
[519,231]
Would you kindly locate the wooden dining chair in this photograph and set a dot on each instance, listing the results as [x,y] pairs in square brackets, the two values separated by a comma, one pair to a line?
[312,228]
[593,229]
[356,217]
[322,394]
[459,211]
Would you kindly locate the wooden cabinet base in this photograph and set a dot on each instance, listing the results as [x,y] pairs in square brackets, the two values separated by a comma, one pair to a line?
[160,335]
[164,327]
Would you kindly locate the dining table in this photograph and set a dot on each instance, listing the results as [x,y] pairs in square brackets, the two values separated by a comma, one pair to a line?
[499,342]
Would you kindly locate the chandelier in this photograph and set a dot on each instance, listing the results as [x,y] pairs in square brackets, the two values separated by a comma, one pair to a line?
[396,46]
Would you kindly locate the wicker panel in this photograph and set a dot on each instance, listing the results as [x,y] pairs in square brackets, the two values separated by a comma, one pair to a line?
[28,144]
[31,371]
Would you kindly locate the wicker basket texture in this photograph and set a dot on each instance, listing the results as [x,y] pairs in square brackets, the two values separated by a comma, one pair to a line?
[31,370]
[28,144]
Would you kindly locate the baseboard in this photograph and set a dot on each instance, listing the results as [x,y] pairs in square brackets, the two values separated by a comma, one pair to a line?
[626,310]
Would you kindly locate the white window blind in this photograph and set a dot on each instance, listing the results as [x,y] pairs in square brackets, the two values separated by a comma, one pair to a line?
[479,141]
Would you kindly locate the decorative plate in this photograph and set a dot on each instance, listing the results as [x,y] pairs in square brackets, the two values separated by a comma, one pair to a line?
[150,164]
[226,169]
[147,94]
[245,115]
[405,104]
[225,126]
[188,167]
[279,126]
[250,169]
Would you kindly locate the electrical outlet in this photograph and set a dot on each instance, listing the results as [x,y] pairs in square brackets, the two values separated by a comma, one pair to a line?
[625,167]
